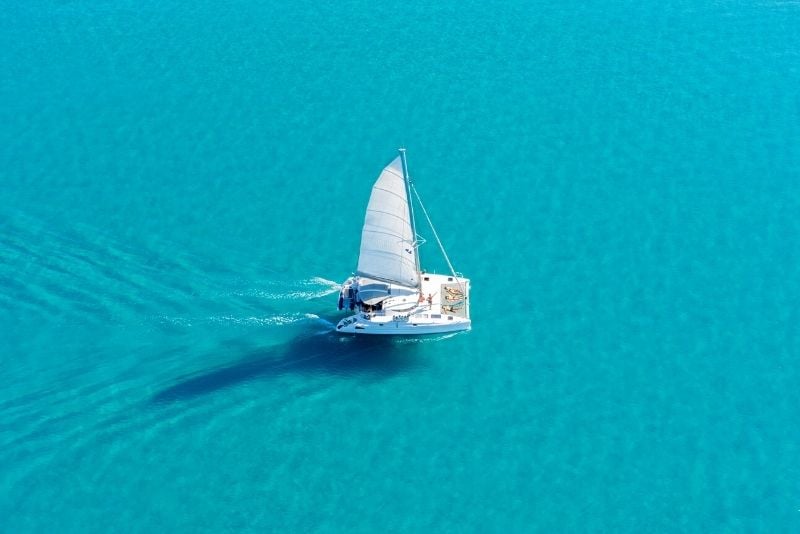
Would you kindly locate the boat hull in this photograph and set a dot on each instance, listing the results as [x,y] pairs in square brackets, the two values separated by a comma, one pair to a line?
[388,326]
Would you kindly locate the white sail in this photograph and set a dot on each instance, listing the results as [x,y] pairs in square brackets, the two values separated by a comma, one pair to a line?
[388,249]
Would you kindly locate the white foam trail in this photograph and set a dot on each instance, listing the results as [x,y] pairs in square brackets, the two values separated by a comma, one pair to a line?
[270,320]
[308,289]
[316,318]
[280,319]
[427,339]
[178,321]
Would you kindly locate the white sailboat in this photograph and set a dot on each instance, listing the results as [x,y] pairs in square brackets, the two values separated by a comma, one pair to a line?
[390,294]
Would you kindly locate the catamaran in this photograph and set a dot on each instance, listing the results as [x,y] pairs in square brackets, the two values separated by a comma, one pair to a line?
[389,293]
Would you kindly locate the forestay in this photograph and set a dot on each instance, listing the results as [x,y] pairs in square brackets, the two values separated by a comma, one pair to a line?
[388,248]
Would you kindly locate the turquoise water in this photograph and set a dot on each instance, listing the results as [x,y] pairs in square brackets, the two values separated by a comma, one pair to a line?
[182,187]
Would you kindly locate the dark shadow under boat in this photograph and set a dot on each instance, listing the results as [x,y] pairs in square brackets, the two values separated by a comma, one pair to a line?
[371,357]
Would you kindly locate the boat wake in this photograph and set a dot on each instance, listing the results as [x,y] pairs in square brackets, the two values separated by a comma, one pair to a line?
[294,297]
[281,319]
[428,339]
[308,289]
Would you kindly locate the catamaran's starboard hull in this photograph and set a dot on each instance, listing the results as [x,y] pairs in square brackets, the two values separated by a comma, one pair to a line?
[357,325]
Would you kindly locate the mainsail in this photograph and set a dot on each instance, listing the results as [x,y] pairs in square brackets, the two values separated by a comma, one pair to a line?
[388,247]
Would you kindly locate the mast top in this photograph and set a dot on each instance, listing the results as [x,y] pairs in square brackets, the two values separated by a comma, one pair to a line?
[406,177]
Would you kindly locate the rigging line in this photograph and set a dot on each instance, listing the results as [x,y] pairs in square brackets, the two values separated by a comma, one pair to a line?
[439,241]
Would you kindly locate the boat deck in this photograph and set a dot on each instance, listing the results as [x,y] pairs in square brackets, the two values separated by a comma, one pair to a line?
[441,306]
[445,296]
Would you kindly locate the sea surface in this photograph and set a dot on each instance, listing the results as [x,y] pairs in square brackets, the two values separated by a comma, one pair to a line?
[182,187]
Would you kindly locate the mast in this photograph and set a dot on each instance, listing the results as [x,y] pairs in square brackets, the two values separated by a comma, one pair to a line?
[407,181]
